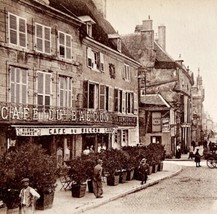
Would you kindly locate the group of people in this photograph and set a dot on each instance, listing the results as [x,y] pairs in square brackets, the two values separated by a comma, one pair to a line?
[193,153]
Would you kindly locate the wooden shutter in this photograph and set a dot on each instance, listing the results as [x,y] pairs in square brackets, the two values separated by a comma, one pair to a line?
[47,40]
[101,56]
[22,32]
[135,103]
[124,102]
[85,94]
[111,92]
[61,44]
[48,82]
[12,84]
[89,57]
[68,47]
[61,91]
[13,29]
[102,97]
[115,99]
[39,37]
[24,77]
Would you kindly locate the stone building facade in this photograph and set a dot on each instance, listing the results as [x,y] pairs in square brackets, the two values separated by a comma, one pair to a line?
[59,79]
[160,74]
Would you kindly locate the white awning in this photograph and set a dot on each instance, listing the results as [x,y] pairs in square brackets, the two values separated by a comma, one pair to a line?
[31,130]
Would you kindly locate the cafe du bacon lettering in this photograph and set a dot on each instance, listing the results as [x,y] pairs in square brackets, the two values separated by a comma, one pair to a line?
[20,113]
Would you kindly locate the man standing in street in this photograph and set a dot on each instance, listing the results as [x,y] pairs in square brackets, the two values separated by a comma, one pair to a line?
[28,197]
[97,180]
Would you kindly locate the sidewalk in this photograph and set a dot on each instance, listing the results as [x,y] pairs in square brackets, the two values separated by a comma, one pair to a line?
[65,203]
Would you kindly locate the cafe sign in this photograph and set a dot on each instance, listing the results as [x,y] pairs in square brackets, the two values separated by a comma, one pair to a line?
[88,116]
[37,131]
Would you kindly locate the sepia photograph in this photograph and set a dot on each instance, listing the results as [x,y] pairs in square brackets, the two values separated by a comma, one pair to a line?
[108,106]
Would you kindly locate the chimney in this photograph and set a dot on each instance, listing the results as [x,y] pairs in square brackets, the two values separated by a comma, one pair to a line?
[101,6]
[147,24]
[162,36]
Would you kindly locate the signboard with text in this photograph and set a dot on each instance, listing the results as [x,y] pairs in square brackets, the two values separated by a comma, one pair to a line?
[29,113]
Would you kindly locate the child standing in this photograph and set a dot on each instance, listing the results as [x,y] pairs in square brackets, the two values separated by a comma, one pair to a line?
[197,157]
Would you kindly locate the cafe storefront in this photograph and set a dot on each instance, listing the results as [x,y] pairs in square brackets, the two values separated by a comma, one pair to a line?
[64,132]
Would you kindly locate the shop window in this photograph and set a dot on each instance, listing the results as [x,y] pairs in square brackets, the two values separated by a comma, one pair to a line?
[18,85]
[65,45]
[117,138]
[65,91]
[42,38]
[44,90]
[155,139]
[17,30]
[125,137]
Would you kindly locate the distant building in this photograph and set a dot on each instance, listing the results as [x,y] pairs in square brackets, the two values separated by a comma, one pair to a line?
[160,74]
[198,95]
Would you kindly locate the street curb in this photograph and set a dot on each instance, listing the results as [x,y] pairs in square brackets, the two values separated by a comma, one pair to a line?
[133,190]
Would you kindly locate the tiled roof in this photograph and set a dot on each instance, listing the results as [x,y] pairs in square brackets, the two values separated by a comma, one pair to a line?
[161,55]
[154,99]
[102,27]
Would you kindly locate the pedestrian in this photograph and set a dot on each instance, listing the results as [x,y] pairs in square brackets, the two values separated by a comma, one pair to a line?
[178,151]
[86,151]
[197,157]
[143,170]
[191,154]
[28,197]
[97,179]
[91,149]
[193,144]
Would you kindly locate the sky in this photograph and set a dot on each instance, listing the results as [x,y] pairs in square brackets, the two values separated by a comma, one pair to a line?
[191,30]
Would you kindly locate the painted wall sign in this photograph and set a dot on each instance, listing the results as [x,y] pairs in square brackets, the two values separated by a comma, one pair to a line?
[76,116]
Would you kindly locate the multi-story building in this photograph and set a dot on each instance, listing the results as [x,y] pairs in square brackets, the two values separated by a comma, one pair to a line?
[160,74]
[67,81]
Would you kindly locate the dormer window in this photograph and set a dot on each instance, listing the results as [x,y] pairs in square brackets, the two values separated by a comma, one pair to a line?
[89,29]
[116,40]
[89,24]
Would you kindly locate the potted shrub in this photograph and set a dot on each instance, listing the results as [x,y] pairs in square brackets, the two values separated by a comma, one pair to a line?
[90,162]
[30,160]
[111,164]
[78,174]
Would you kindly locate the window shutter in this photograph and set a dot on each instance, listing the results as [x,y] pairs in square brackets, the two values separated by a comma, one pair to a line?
[135,103]
[111,99]
[22,32]
[13,29]
[123,102]
[85,94]
[47,40]
[115,99]
[101,56]
[101,97]
[24,86]
[68,47]
[61,44]
[89,57]
[39,37]
[123,72]
[61,91]
[12,84]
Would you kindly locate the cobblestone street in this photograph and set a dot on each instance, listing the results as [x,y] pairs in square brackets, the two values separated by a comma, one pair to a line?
[192,191]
